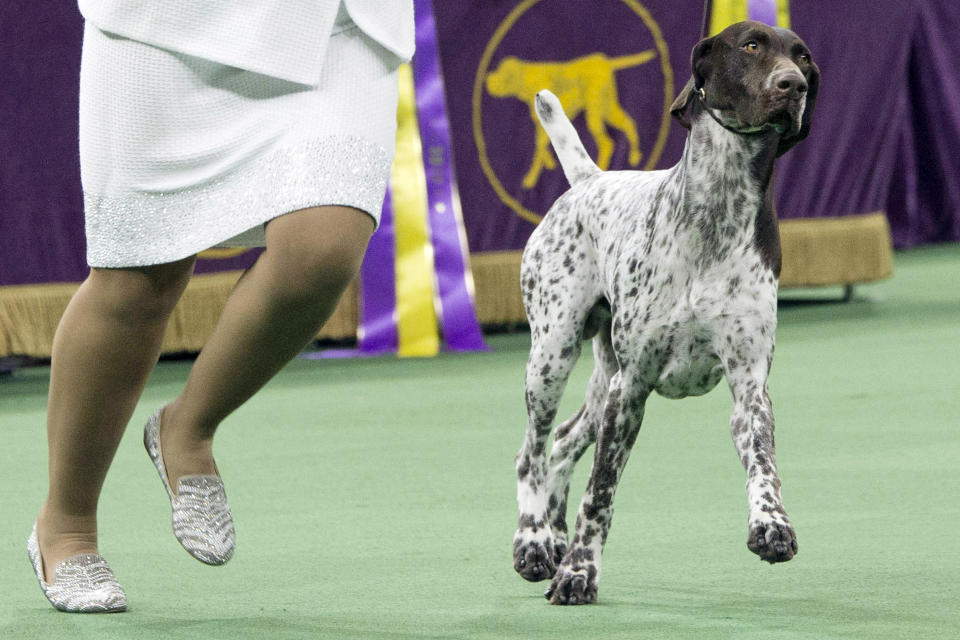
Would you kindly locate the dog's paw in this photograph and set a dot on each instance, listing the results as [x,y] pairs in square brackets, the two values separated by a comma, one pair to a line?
[573,585]
[534,559]
[773,542]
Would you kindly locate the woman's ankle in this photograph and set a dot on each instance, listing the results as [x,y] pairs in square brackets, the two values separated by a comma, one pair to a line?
[62,535]
[178,422]
[185,452]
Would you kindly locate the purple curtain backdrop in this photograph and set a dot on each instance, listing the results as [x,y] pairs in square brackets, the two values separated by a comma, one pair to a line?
[886,133]
[41,202]
[41,221]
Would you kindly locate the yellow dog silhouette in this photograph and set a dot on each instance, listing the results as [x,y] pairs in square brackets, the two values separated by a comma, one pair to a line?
[585,85]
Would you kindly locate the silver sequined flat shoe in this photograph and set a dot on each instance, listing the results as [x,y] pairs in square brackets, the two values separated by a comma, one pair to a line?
[82,583]
[202,521]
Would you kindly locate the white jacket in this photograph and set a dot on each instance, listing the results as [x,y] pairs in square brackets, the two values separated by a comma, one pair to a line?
[282,38]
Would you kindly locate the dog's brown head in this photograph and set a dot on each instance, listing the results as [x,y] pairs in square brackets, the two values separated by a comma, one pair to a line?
[757,76]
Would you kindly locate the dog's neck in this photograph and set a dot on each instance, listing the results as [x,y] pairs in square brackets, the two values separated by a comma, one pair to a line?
[727,196]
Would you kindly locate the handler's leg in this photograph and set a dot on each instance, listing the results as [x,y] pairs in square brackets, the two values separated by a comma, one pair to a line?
[105,347]
[275,310]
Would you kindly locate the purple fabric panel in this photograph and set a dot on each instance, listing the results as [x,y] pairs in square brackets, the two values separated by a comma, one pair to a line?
[764,11]
[887,123]
[242,261]
[884,134]
[378,291]
[932,172]
[903,202]
[848,162]
[41,205]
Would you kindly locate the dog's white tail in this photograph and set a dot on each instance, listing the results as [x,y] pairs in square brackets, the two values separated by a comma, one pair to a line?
[574,159]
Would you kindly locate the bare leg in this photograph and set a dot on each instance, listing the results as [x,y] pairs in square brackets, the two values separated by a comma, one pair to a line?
[275,310]
[105,347]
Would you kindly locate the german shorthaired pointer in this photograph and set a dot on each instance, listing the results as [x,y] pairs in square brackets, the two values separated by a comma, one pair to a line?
[673,274]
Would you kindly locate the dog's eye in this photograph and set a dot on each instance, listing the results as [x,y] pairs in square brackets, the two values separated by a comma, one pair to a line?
[751,46]
[804,58]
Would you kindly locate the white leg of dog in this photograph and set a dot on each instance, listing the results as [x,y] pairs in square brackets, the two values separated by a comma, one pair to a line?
[751,426]
[548,367]
[578,575]
[573,437]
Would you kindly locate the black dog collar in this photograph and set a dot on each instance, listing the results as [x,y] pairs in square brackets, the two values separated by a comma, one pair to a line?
[745,131]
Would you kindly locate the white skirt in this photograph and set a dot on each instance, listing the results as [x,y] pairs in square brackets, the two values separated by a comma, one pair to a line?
[179,154]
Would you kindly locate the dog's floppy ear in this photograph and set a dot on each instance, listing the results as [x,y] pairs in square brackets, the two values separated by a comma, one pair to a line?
[700,68]
[679,107]
[813,85]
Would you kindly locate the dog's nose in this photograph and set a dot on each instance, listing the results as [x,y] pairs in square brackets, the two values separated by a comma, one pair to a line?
[790,84]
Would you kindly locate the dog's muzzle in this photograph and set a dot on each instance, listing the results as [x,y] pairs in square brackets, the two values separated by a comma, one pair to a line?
[787,89]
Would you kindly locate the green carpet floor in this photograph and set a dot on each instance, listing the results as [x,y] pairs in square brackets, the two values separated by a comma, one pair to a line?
[375,498]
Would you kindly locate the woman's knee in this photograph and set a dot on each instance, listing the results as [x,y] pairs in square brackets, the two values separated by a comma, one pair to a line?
[142,292]
[320,252]
[317,271]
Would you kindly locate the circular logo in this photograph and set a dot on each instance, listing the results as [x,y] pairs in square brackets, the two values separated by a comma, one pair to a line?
[535,48]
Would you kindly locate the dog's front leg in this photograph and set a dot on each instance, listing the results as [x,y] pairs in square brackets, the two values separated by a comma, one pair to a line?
[578,575]
[771,535]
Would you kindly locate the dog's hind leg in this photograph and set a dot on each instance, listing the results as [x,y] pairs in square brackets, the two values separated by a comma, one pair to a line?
[572,438]
[556,330]
[578,574]
[549,366]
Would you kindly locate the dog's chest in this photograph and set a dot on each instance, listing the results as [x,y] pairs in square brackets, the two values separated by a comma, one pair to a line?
[692,367]
[684,333]
[688,319]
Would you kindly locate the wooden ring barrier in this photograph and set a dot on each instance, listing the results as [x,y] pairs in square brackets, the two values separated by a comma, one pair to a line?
[817,252]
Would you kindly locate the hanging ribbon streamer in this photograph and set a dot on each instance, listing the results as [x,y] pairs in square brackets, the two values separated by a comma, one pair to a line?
[397,313]
[415,279]
[416,315]
[726,12]
[454,280]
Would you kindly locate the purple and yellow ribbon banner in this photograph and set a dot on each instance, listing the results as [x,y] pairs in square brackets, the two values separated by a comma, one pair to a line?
[416,280]
[723,13]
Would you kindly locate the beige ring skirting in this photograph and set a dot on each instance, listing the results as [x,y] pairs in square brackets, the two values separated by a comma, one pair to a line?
[179,154]
[817,251]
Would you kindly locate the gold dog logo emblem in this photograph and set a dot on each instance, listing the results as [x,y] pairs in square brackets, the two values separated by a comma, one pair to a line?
[585,85]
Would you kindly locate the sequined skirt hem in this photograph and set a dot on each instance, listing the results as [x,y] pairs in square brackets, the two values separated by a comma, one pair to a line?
[335,170]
